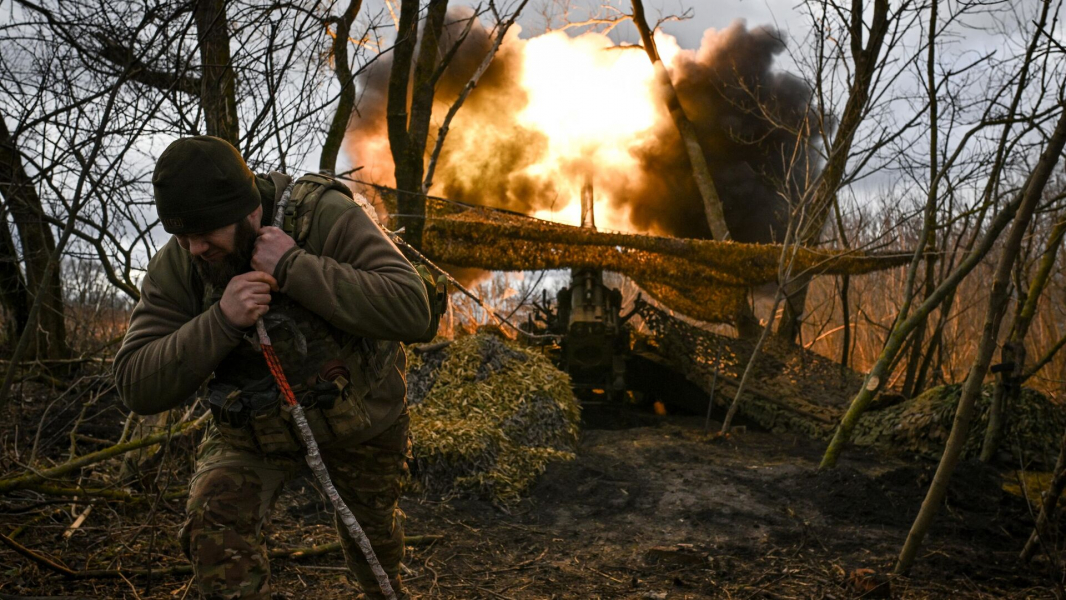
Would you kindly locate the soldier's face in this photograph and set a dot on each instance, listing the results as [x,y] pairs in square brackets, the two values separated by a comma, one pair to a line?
[222,253]
[211,246]
[215,245]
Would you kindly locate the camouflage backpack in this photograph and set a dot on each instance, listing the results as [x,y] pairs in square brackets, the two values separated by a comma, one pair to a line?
[331,372]
[299,214]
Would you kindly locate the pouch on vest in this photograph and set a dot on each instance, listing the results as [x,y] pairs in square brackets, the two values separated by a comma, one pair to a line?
[231,418]
[255,418]
[348,415]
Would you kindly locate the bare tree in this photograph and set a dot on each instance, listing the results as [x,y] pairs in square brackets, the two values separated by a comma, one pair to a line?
[41,284]
[346,79]
[993,168]
[867,54]
[997,304]
[408,121]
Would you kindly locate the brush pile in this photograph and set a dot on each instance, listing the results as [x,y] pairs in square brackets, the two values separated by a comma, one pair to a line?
[1032,434]
[487,416]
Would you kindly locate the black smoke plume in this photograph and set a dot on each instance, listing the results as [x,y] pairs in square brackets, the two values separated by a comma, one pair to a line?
[747,116]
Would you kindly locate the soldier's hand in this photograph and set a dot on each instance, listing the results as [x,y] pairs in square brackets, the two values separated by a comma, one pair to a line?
[247,297]
[271,244]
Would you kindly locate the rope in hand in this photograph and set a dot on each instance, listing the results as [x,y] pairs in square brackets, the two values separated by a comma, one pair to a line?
[314,457]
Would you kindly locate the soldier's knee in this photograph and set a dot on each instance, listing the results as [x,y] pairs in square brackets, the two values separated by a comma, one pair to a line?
[226,497]
[222,535]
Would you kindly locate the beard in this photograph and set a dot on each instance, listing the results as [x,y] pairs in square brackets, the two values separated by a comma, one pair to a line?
[217,274]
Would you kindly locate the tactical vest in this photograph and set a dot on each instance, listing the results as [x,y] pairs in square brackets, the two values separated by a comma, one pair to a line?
[330,371]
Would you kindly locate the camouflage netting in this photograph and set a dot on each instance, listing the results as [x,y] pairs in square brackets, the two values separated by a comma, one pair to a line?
[1033,430]
[792,390]
[703,279]
[487,415]
[797,391]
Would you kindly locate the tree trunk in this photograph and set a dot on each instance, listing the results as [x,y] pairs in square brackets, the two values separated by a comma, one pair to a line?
[338,127]
[219,94]
[49,338]
[792,314]
[1008,387]
[14,297]
[1007,392]
[825,195]
[712,204]
[928,371]
[746,323]
[845,284]
[914,361]
[997,305]
[408,129]
[1044,360]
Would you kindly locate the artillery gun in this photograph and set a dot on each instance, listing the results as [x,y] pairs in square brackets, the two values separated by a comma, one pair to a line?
[593,338]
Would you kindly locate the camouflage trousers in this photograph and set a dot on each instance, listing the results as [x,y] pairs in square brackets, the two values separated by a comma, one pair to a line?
[233,492]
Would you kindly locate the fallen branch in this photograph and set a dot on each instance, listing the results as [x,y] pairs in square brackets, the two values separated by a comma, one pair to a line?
[105,493]
[16,483]
[77,522]
[184,569]
[4,596]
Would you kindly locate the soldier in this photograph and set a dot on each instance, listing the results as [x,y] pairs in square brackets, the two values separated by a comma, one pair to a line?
[331,303]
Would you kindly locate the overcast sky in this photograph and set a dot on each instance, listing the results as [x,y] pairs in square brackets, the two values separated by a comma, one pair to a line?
[705,14]
[980,32]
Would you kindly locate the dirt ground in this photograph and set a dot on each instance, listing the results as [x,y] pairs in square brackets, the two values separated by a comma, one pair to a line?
[651,508]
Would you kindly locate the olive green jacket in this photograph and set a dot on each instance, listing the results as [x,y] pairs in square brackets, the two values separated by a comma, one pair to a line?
[348,272]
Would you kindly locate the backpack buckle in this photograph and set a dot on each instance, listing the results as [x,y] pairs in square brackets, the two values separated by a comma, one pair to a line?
[288,219]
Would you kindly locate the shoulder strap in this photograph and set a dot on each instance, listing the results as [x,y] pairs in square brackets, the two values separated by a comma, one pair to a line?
[306,193]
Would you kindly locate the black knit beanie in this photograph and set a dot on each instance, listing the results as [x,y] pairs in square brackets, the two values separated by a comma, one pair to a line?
[202,183]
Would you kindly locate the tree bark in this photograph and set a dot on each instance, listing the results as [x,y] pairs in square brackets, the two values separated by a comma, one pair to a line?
[422,94]
[403,51]
[712,204]
[16,187]
[219,83]
[338,127]
[997,304]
